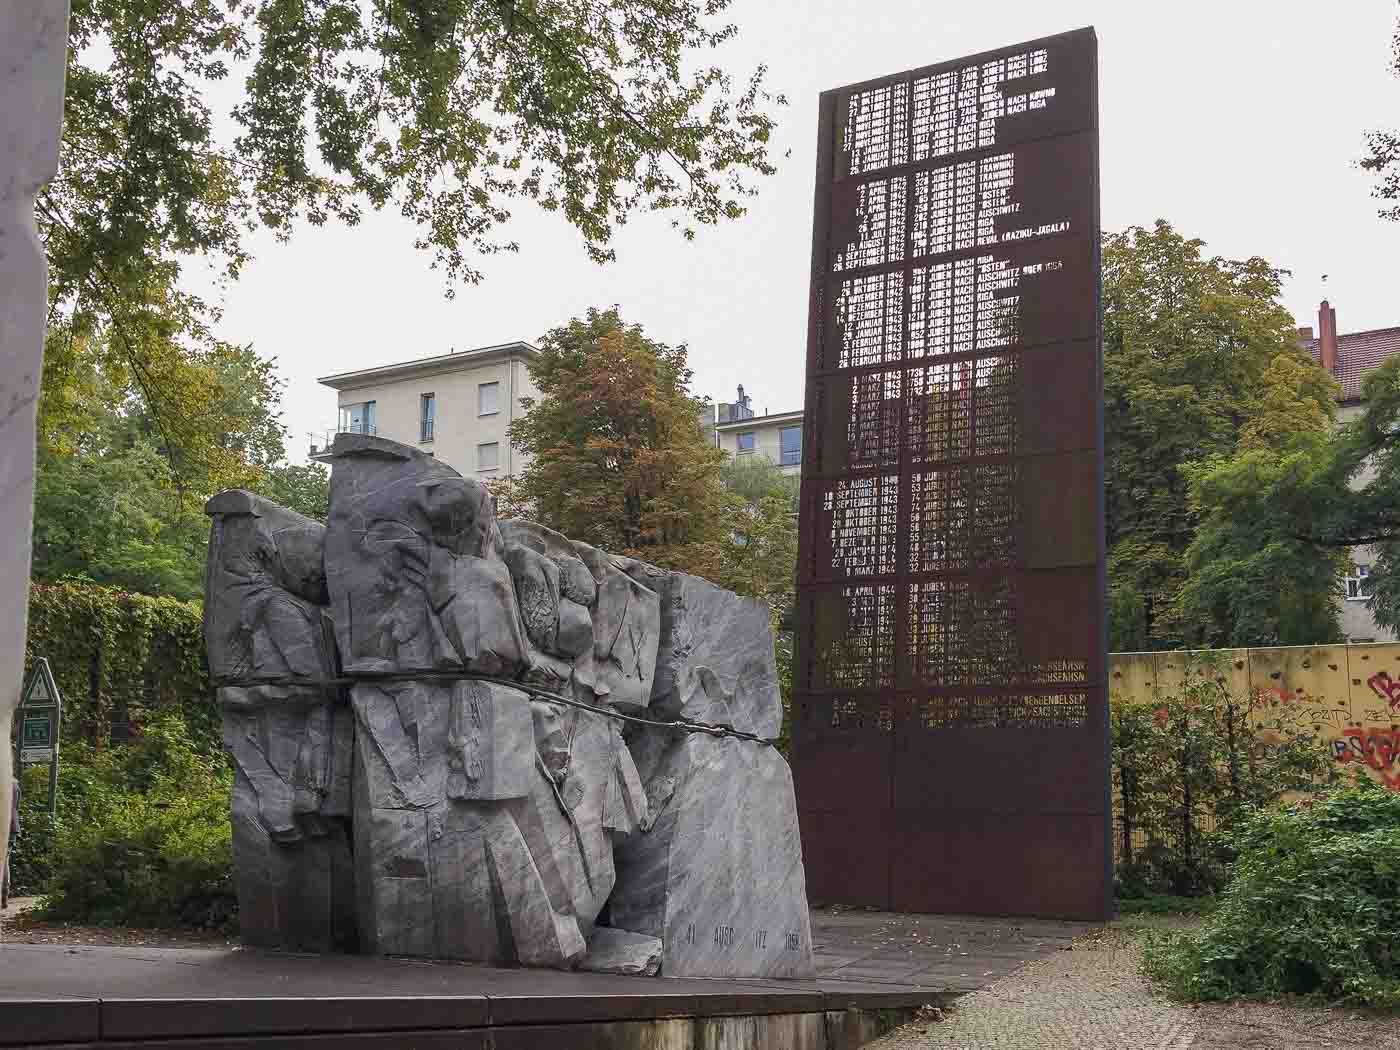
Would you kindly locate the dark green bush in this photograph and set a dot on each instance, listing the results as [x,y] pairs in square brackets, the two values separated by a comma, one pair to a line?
[142,835]
[1312,908]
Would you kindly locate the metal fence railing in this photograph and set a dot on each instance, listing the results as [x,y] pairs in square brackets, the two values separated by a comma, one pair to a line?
[1168,834]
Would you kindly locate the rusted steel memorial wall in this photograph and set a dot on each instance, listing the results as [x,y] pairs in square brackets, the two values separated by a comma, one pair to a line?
[949,727]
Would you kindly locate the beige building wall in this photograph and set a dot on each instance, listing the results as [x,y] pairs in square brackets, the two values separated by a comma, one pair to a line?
[767,439]
[1347,695]
[459,429]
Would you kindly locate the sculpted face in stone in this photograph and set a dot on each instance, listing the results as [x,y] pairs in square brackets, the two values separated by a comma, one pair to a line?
[490,823]
[414,553]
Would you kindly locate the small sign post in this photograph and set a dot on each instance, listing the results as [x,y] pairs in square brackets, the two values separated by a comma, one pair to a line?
[40,713]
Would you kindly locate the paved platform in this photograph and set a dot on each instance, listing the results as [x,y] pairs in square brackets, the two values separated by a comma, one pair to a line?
[130,996]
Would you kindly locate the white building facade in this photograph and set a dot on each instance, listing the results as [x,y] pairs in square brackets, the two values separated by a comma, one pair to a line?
[455,406]
[775,437]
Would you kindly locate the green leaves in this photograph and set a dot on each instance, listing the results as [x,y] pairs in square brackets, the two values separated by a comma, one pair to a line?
[124,657]
[1313,908]
[1254,579]
[122,479]
[449,110]
[1201,364]
[618,458]
[1383,151]
[143,835]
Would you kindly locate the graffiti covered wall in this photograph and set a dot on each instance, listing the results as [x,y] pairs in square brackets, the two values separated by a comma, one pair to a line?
[1349,695]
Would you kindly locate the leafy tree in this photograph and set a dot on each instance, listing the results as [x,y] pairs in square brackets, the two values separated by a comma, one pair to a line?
[1359,492]
[113,517]
[1252,579]
[119,490]
[215,420]
[304,489]
[1187,343]
[1383,150]
[449,110]
[617,455]
[756,479]
[761,558]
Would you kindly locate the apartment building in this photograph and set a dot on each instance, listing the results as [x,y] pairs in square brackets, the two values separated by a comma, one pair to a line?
[1350,358]
[455,406]
[776,437]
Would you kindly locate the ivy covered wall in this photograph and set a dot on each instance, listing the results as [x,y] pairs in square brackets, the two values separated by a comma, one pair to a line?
[119,658]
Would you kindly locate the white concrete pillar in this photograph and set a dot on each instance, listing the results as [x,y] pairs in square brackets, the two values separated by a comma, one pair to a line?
[33,59]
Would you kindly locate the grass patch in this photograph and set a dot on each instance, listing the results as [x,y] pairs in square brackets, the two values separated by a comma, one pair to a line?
[1166,904]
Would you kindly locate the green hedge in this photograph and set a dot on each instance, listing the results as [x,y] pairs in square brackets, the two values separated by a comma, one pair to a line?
[142,823]
[142,834]
[1312,908]
[119,658]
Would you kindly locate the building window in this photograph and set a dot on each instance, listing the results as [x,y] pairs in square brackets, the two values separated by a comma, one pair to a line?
[357,419]
[791,438]
[488,399]
[1359,583]
[488,456]
[427,410]
[746,442]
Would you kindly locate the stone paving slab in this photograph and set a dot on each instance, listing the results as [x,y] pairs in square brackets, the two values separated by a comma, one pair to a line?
[865,960]
[946,953]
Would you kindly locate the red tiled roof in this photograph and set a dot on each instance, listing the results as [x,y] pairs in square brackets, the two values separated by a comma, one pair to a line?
[1358,355]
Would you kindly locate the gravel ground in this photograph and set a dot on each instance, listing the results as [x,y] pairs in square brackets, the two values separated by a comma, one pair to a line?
[18,925]
[1093,996]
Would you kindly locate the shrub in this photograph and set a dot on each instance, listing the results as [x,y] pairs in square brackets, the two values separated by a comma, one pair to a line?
[1185,766]
[1312,908]
[142,835]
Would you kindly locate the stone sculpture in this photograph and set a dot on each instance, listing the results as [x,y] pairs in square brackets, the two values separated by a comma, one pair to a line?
[475,756]
[33,59]
[715,666]
[265,618]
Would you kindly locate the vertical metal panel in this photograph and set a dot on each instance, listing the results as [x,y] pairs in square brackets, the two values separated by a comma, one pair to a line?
[950,726]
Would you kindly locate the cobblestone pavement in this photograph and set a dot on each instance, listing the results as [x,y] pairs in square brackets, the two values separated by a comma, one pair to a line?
[1092,996]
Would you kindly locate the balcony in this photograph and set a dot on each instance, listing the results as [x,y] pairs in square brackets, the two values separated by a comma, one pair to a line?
[323,449]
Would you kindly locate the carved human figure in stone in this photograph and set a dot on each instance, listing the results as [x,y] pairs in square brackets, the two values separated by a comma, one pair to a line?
[265,626]
[590,793]
[445,768]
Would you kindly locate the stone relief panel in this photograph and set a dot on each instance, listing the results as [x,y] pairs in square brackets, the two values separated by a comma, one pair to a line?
[265,618]
[469,711]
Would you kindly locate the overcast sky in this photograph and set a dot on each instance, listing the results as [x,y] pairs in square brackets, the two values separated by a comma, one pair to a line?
[1239,121]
